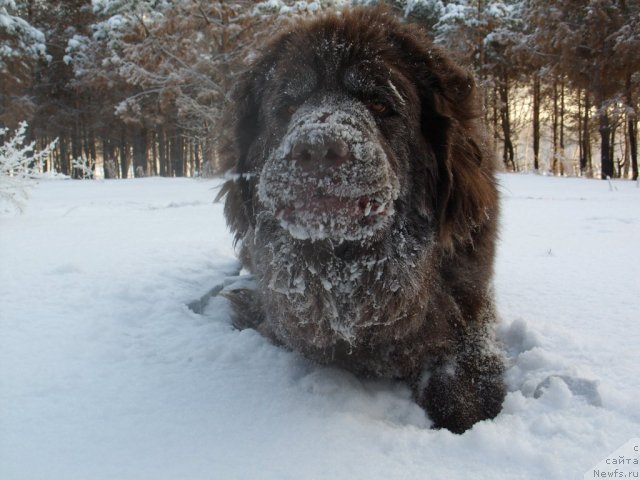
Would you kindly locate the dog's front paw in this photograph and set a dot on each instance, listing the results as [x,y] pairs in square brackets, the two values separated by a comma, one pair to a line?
[464,391]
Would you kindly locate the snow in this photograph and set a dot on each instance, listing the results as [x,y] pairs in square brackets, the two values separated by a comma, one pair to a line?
[106,373]
[280,7]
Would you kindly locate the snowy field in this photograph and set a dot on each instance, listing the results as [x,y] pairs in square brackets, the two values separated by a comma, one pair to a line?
[105,373]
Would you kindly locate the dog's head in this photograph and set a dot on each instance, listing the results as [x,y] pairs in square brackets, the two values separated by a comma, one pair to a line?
[346,122]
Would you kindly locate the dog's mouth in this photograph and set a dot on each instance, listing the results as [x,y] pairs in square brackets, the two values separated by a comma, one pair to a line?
[315,216]
[365,208]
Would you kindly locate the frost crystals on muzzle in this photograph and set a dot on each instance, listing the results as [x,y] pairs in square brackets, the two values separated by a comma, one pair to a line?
[330,176]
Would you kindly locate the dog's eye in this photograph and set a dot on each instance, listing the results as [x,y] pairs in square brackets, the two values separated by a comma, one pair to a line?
[286,110]
[377,108]
[290,109]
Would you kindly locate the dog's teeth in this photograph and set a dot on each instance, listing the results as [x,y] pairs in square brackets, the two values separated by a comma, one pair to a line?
[367,209]
[381,207]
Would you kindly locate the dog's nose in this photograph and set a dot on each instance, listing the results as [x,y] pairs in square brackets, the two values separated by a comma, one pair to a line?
[326,153]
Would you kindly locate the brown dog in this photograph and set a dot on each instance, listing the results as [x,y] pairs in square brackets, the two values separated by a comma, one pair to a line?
[364,197]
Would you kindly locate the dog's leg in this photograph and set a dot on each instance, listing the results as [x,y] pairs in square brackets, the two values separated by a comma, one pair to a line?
[247,310]
[462,389]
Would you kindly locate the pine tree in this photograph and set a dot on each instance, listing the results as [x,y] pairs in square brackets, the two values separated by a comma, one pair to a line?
[21,46]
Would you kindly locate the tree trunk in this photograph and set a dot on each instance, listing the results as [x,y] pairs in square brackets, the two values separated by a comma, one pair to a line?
[507,151]
[124,160]
[140,152]
[580,107]
[496,115]
[612,151]
[64,156]
[76,146]
[605,142]
[623,169]
[177,153]
[561,151]
[154,153]
[554,161]
[188,157]
[632,131]
[93,154]
[47,163]
[162,155]
[536,122]
[198,158]
[108,162]
[167,149]
[633,146]
[585,149]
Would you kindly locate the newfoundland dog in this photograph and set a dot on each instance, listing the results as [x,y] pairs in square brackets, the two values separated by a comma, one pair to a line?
[363,195]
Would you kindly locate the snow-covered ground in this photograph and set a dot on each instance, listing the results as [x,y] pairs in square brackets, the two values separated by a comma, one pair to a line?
[105,373]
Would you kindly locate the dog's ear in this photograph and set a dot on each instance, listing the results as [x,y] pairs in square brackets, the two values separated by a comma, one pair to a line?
[469,197]
[463,189]
[241,123]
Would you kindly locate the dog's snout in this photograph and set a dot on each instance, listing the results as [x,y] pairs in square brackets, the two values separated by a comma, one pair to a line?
[312,155]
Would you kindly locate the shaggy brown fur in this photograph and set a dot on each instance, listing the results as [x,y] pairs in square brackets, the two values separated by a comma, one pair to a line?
[365,201]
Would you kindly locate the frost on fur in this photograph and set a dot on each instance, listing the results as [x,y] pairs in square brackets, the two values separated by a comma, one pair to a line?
[350,201]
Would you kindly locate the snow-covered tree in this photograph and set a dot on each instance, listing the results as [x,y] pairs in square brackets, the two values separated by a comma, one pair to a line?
[20,42]
[139,85]
[21,46]
[504,27]
[171,64]
[20,166]
[595,47]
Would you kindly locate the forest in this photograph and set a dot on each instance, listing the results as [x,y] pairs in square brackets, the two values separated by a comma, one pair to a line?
[138,87]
